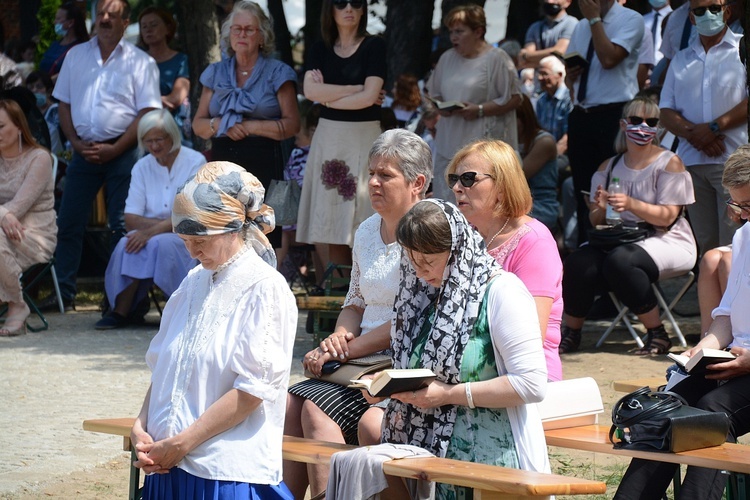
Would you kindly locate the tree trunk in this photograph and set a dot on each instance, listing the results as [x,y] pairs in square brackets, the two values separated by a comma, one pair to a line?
[281,32]
[408,37]
[198,24]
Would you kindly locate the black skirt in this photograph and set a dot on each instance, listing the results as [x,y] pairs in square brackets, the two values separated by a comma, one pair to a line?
[260,156]
[343,405]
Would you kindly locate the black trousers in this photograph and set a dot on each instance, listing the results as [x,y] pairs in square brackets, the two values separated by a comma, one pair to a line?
[591,140]
[627,270]
[646,479]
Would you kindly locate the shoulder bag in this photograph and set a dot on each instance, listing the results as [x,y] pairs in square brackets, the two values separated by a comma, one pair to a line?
[283,197]
[354,369]
[663,421]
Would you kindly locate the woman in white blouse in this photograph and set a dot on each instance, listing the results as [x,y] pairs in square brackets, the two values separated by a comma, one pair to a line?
[150,252]
[211,425]
[400,168]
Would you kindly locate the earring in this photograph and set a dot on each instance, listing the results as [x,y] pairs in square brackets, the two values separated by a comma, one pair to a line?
[20,143]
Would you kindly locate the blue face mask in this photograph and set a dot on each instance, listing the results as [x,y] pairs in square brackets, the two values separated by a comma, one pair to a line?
[710,24]
[59,30]
[658,4]
[41,99]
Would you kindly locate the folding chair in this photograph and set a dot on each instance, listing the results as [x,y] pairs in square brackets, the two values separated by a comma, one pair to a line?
[666,310]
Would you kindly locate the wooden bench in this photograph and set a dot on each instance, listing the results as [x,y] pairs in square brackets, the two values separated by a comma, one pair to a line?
[634,384]
[595,438]
[320,303]
[487,481]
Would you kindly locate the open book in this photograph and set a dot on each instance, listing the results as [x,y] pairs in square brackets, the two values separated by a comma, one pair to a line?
[574,59]
[392,381]
[447,105]
[700,360]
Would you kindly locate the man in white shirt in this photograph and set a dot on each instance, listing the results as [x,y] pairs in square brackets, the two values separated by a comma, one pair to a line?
[104,87]
[609,38]
[653,21]
[704,103]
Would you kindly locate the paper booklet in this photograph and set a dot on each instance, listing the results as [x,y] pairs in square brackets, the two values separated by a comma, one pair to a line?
[571,403]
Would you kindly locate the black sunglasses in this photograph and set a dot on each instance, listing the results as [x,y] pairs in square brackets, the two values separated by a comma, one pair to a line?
[467,179]
[637,120]
[713,9]
[341,4]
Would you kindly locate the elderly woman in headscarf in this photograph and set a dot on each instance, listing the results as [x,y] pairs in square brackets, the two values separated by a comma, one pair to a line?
[212,421]
[458,314]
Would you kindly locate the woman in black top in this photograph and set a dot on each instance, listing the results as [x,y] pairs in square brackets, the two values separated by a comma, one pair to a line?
[346,74]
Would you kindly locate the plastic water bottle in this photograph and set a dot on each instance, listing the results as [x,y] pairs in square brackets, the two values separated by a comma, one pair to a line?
[613,217]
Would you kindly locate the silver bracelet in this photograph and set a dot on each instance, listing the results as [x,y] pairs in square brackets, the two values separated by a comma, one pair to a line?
[481,111]
[469,398]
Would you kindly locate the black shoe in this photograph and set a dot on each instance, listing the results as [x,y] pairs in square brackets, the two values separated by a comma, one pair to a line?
[111,321]
[49,304]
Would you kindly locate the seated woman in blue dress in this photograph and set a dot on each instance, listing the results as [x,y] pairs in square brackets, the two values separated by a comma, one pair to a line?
[150,252]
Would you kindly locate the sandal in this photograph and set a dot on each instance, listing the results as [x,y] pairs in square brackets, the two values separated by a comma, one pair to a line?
[569,341]
[657,343]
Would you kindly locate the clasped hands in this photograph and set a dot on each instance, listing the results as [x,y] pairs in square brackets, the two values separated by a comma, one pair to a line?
[332,347]
[155,457]
[700,136]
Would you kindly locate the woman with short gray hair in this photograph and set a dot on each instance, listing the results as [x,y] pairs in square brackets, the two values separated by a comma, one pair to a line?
[400,169]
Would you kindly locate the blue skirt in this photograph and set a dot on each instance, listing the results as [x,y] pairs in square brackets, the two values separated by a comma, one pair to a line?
[179,485]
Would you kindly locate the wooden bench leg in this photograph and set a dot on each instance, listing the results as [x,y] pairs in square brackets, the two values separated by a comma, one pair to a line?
[134,492]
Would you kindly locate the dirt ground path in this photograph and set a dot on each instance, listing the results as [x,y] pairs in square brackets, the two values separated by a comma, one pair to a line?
[52,381]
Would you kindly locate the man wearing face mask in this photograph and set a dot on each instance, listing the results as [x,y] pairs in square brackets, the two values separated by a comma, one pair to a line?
[609,38]
[548,35]
[653,21]
[704,103]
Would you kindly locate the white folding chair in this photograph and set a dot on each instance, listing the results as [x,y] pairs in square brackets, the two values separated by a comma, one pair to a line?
[666,310]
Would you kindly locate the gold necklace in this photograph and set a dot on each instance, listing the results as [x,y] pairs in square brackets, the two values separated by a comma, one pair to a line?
[498,233]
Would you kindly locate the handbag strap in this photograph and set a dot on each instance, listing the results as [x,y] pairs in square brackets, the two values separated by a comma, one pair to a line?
[666,401]
[611,168]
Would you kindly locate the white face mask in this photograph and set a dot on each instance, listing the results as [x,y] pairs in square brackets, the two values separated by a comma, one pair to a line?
[710,24]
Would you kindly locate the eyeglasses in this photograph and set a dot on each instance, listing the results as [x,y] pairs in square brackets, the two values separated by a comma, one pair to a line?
[341,4]
[156,141]
[737,208]
[467,179]
[637,120]
[236,30]
[713,9]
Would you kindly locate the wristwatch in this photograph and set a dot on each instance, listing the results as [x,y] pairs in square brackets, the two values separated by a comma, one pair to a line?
[714,127]
[594,20]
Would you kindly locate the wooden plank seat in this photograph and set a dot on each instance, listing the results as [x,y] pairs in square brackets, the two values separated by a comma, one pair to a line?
[595,438]
[634,384]
[320,303]
[488,481]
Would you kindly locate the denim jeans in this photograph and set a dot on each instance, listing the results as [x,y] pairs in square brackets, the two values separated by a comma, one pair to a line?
[82,181]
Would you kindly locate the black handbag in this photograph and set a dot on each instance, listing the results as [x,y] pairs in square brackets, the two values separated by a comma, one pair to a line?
[663,421]
[283,197]
[611,237]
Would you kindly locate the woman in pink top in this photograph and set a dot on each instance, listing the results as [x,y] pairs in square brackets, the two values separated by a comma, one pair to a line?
[491,191]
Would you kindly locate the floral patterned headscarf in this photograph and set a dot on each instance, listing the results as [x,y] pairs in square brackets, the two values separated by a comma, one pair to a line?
[223,198]
[458,300]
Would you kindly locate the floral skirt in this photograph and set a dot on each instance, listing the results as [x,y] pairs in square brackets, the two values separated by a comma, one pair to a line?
[335,196]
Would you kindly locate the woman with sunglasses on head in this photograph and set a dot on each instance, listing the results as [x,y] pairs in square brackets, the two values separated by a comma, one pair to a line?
[492,193]
[459,314]
[656,187]
[346,74]
[249,102]
[726,386]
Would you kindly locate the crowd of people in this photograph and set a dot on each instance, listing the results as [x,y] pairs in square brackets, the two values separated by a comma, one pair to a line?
[466,226]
